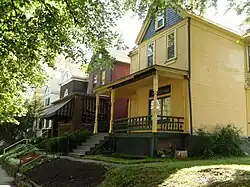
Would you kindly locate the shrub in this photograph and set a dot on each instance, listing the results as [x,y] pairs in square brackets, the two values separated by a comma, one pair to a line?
[224,141]
[64,144]
[227,141]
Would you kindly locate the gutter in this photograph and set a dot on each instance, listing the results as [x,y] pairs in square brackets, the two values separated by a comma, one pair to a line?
[189,77]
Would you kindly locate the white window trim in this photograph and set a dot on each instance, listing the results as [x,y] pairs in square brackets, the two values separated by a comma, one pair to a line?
[153,52]
[156,21]
[175,48]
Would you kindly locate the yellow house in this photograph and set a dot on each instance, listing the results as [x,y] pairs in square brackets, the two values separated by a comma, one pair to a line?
[186,73]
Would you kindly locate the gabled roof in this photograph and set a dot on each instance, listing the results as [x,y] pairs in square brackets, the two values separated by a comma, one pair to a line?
[119,55]
[183,14]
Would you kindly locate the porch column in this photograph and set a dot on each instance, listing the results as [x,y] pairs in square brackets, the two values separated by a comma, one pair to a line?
[96,113]
[155,89]
[112,111]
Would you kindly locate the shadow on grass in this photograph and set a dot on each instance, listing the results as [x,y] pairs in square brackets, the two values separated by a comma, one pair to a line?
[240,179]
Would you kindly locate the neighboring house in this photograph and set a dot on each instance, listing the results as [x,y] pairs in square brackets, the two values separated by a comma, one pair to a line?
[186,73]
[74,109]
[121,68]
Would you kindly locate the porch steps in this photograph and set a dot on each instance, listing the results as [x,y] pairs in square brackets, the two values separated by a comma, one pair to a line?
[93,143]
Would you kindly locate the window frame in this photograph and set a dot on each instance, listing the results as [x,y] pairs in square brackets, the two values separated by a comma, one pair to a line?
[175,48]
[103,81]
[157,21]
[161,105]
[248,57]
[95,80]
[153,63]
[160,96]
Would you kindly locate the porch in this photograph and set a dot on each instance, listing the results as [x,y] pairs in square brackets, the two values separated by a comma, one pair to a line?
[158,101]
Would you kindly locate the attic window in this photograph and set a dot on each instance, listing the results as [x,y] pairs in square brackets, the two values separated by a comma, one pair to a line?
[159,21]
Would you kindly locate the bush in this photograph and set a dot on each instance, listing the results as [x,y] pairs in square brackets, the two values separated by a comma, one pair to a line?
[224,141]
[65,143]
[227,141]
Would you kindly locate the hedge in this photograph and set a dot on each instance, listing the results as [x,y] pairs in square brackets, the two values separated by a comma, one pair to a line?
[65,143]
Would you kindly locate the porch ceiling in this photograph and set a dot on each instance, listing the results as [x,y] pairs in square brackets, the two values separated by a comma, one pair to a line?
[128,85]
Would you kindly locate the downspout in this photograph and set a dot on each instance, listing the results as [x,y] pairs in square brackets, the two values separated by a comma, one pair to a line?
[189,77]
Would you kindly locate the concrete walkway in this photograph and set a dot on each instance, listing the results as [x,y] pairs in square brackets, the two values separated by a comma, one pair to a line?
[4,178]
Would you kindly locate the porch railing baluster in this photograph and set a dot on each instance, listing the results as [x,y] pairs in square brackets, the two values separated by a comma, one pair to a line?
[134,124]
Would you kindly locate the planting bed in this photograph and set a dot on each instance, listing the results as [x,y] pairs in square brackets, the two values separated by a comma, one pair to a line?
[63,172]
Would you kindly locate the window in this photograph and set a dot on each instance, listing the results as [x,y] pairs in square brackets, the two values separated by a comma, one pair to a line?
[171,46]
[163,106]
[159,21]
[66,92]
[248,57]
[151,54]
[103,77]
[94,80]
[47,101]
[163,102]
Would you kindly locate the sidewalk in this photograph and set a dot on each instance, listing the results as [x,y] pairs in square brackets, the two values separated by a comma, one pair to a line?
[4,178]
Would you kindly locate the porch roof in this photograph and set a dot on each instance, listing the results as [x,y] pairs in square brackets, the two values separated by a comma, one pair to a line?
[144,73]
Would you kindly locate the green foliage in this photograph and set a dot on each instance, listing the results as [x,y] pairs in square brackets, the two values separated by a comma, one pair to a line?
[227,141]
[11,132]
[65,143]
[149,175]
[123,159]
[224,141]
[34,32]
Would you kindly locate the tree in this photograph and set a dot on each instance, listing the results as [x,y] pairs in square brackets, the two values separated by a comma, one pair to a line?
[34,32]
[10,132]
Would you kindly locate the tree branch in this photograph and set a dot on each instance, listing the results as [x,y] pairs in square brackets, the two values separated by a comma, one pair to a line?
[70,11]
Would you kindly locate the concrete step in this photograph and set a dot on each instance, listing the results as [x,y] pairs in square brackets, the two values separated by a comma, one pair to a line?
[89,145]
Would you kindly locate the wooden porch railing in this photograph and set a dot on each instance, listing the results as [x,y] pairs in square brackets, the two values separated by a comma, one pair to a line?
[132,124]
[144,123]
[170,123]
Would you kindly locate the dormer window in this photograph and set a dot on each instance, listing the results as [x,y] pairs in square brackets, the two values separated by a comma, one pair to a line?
[151,54]
[159,21]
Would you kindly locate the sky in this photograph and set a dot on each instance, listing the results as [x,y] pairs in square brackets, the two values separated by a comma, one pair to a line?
[130,25]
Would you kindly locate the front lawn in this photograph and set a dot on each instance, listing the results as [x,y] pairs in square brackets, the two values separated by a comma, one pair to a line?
[119,160]
[154,174]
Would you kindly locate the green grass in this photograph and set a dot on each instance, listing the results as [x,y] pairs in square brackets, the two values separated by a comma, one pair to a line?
[151,175]
[117,160]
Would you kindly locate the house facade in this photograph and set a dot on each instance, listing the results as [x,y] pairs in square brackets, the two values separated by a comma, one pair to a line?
[187,73]
[121,68]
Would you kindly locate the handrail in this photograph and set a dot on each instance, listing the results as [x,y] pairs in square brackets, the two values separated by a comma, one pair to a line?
[4,151]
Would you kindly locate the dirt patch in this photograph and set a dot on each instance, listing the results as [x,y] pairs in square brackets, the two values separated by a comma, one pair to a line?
[63,172]
[211,176]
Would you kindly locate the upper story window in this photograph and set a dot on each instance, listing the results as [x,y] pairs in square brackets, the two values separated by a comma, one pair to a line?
[47,101]
[248,50]
[151,54]
[171,46]
[103,77]
[94,80]
[159,21]
[66,92]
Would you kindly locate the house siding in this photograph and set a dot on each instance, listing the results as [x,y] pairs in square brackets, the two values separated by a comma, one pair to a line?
[120,70]
[140,101]
[74,86]
[171,18]
[217,78]
[139,60]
